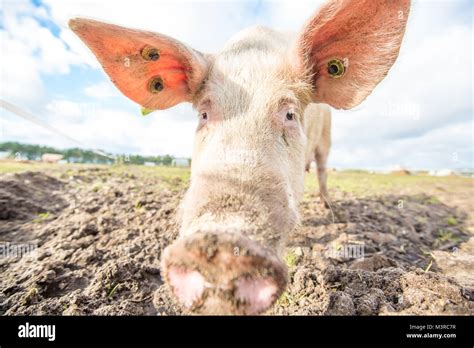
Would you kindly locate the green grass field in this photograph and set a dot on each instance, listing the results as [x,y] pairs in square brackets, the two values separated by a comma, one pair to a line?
[358,182]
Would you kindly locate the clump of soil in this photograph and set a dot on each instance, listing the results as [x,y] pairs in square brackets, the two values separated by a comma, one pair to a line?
[99,236]
[375,256]
[28,194]
[98,255]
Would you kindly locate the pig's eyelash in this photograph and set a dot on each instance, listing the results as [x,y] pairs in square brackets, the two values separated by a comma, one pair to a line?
[206,102]
[288,101]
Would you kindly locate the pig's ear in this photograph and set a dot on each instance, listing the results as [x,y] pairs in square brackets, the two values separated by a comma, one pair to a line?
[153,70]
[348,46]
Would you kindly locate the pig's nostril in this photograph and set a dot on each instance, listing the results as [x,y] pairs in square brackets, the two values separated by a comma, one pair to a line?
[258,294]
[188,285]
[207,276]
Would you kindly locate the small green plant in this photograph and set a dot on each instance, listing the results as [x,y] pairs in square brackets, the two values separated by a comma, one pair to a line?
[433,200]
[444,237]
[112,290]
[96,188]
[42,217]
[429,266]
[451,221]
[285,300]
[30,295]
[447,236]
[291,259]
[421,219]
[427,253]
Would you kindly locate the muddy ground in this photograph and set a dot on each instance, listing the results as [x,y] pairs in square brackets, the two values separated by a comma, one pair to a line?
[99,234]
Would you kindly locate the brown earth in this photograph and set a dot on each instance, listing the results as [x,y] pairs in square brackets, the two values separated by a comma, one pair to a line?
[99,236]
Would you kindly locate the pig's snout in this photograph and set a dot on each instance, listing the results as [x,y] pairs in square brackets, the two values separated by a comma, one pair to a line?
[223,273]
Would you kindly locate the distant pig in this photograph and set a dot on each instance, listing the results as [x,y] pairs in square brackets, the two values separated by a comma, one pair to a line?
[255,101]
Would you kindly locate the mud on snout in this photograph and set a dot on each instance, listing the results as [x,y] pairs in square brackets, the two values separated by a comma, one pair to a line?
[223,273]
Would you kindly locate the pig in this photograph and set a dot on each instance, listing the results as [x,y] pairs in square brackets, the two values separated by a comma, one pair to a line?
[317,125]
[261,118]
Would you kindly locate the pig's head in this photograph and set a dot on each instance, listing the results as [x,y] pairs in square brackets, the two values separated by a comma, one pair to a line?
[248,160]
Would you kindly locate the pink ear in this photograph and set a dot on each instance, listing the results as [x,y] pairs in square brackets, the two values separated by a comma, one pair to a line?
[358,38]
[153,70]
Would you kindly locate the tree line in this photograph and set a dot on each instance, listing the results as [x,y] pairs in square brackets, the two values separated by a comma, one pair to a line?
[78,155]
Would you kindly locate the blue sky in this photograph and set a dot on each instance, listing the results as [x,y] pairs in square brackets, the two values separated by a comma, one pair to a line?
[420,116]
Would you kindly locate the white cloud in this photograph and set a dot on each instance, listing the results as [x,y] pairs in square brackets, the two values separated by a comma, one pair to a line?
[98,127]
[447,149]
[29,50]
[193,22]
[101,90]
[20,78]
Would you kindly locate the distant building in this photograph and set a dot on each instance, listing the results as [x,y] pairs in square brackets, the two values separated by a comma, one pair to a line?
[442,172]
[399,170]
[149,164]
[467,172]
[51,157]
[180,162]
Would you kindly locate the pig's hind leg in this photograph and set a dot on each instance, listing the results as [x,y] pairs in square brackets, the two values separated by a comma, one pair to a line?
[321,159]
[321,156]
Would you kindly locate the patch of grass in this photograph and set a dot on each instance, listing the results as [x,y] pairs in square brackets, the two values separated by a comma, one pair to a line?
[42,217]
[433,200]
[427,252]
[286,299]
[451,221]
[291,259]
[421,219]
[429,266]
[447,236]
[30,295]
[363,183]
[11,166]
[96,188]
[165,173]
[112,290]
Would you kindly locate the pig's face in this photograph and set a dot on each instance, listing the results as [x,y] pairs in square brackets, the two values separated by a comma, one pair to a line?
[248,160]
[247,166]
[247,177]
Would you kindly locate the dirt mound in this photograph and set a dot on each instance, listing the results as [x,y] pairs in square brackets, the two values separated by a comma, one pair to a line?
[402,228]
[385,291]
[98,250]
[100,255]
[375,256]
[28,194]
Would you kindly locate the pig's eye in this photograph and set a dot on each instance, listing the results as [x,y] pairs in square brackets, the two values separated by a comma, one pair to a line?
[287,114]
[204,116]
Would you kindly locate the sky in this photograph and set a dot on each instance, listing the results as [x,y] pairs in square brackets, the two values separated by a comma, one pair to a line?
[419,117]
